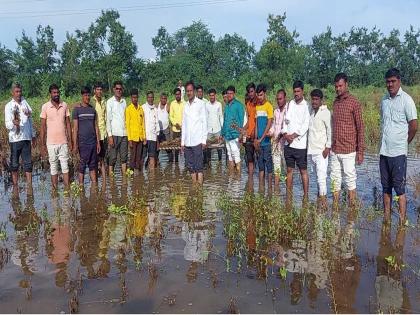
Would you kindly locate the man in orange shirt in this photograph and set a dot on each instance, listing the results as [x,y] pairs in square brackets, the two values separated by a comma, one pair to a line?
[249,128]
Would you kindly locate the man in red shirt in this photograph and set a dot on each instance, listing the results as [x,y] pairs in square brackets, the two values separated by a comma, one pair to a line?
[347,140]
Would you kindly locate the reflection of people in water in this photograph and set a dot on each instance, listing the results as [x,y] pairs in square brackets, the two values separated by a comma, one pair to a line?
[391,293]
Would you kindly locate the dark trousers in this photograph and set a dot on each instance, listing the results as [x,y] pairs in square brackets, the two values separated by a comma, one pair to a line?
[136,155]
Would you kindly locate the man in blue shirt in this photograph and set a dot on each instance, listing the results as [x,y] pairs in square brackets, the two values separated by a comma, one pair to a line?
[398,128]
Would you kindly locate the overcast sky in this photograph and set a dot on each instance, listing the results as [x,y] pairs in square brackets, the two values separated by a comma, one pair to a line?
[246,17]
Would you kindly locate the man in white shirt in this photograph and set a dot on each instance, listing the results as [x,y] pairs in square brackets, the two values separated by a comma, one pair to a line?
[319,141]
[151,126]
[214,122]
[163,119]
[115,127]
[18,120]
[295,133]
[194,133]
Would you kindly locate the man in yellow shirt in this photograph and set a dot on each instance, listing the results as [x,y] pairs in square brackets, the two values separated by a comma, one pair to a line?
[175,117]
[100,107]
[134,123]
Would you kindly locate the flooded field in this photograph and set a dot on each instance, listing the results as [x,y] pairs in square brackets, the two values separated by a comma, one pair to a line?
[151,244]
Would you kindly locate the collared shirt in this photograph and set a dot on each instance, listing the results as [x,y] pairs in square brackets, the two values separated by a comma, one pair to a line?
[194,124]
[264,112]
[175,114]
[163,117]
[56,122]
[251,117]
[348,128]
[319,134]
[23,111]
[234,115]
[214,117]
[134,122]
[278,123]
[115,117]
[396,112]
[297,121]
[151,122]
[100,107]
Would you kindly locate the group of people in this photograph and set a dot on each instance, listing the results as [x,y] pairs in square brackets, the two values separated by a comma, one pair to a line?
[295,132]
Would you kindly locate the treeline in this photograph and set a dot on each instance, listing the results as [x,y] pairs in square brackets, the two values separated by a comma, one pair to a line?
[106,52]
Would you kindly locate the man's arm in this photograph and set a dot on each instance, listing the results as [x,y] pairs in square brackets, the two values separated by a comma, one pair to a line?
[42,136]
[360,132]
[75,132]
[98,138]
[412,130]
[69,134]
[9,118]
[266,130]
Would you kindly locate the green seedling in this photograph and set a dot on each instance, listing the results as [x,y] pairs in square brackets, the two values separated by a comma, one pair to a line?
[129,172]
[119,210]
[75,189]
[392,262]
[283,272]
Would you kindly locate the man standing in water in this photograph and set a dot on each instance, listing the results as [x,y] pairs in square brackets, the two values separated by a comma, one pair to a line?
[176,109]
[151,126]
[194,133]
[249,128]
[56,127]
[348,139]
[100,107]
[18,120]
[398,128]
[214,122]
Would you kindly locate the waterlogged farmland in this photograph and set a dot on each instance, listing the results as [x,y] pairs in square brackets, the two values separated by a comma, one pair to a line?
[149,243]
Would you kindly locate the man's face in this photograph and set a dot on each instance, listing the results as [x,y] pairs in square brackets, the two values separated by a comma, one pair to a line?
[118,90]
[298,94]
[316,102]
[251,93]
[55,95]
[98,92]
[261,97]
[150,98]
[163,100]
[17,94]
[341,87]
[135,99]
[212,97]
[200,94]
[178,96]
[281,100]
[393,84]
[189,90]
[230,96]
[86,98]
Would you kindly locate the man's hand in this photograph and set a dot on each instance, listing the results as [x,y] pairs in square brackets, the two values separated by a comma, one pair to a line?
[44,151]
[98,147]
[111,141]
[359,158]
[71,147]
[326,152]
[144,142]
[130,144]
[16,122]
[33,143]
[75,149]
[203,145]
[257,144]
[220,139]
[178,126]
[182,148]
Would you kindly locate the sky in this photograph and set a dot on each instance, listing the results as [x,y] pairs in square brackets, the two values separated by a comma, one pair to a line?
[248,18]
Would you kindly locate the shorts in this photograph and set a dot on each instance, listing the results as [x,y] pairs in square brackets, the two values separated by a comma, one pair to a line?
[265,159]
[194,158]
[393,173]
[151,148]
[120,148]
[88,157]
[58,153]
[21,149]
[249,151]
[295,157]
[104,146]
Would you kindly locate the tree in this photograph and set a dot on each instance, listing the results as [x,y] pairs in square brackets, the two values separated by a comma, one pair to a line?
[7,68]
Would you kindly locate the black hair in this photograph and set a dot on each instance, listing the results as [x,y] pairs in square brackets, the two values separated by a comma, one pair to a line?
[163,94]
[393,72]
[177,90]
[53,87]
[150,92]
[340,76]
[190,83]
[281,91]
[261,88]
[212,91]
[231,88]
[224,92]
[298,84]
[85,90]
[250,86]
[317,93]
[97,85]
[199,87]
[134,92]
[117,83]
[16,85]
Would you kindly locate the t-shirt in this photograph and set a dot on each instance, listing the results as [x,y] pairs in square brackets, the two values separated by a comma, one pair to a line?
[86,118]
[56,122]
[251,113]
[264,112]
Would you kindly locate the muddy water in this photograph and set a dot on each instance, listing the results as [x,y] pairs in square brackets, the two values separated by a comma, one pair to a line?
[170,255]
